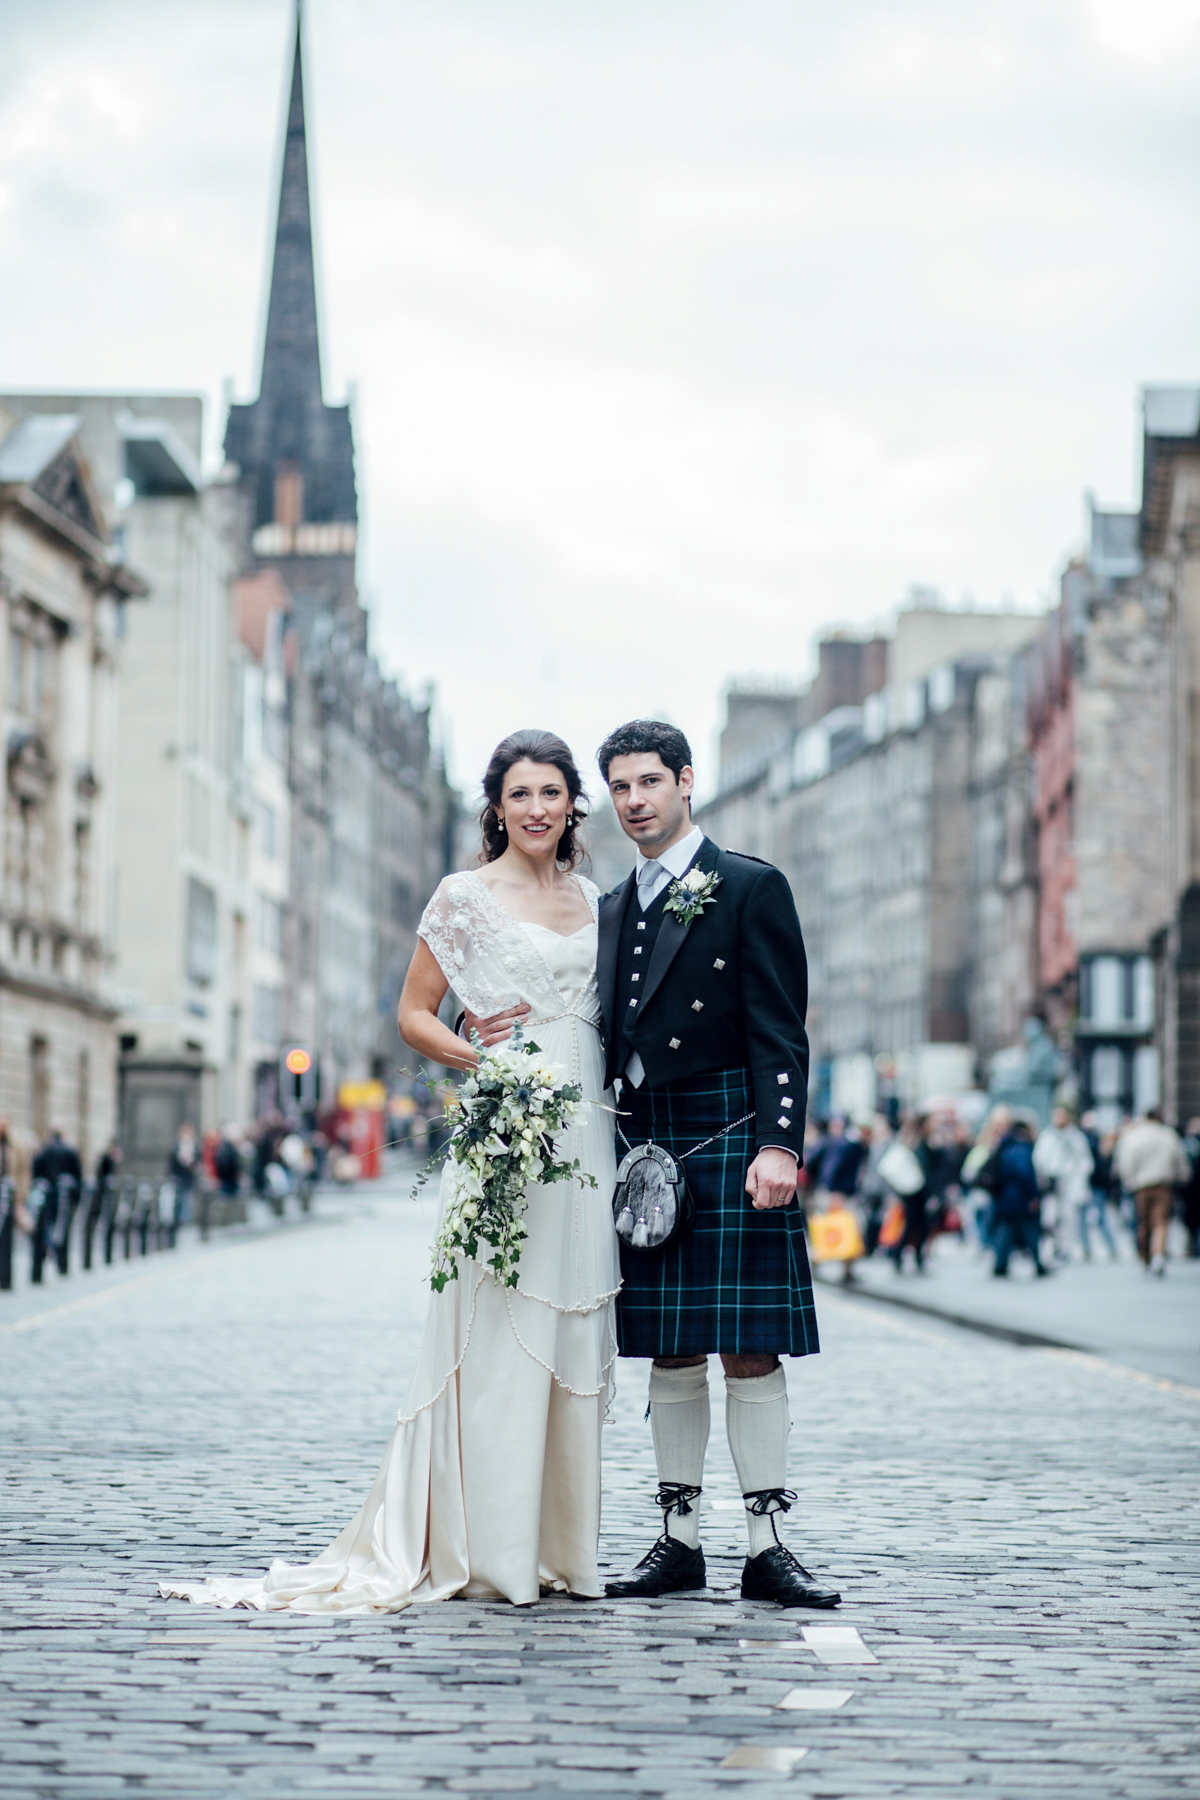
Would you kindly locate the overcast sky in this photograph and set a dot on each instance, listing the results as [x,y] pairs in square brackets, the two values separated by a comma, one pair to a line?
[679,330]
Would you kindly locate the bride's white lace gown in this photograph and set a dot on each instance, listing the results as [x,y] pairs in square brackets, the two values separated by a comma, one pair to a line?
[491,1482]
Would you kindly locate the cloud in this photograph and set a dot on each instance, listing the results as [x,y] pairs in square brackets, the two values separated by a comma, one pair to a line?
[678,329]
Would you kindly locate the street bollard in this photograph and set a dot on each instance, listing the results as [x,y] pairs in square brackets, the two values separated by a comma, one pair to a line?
[167,1215]
[111,1215]
[68,1202]
[128,1213]
[42,1205]
[91,1207]
[8,1225]
[147,1210]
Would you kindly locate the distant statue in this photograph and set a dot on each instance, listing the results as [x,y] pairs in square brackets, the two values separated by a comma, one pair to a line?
[1027,1075]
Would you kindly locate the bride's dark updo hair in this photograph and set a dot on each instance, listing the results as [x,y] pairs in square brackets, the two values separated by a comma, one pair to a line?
[535,747]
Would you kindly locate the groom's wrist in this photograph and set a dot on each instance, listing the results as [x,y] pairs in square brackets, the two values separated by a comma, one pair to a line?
[787,1149]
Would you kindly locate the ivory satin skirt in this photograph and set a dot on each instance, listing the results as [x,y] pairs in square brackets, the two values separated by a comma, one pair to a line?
[490,1484]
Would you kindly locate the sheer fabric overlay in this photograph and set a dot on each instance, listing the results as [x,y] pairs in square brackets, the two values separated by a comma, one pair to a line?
[491,1482]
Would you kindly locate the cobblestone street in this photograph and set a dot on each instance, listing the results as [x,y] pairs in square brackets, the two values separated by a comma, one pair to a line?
[1014,1531]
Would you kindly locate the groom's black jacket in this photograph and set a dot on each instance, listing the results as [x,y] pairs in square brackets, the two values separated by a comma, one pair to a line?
[742,960]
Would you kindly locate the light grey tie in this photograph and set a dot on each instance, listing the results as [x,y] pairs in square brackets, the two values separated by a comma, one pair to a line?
[648,874]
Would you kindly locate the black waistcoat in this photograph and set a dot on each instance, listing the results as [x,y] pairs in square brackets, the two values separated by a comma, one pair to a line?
[638,933]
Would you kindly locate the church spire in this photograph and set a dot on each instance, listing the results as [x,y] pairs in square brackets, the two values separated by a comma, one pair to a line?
[295,454]
[292,352]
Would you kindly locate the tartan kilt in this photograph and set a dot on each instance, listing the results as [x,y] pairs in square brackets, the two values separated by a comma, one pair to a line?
[740,1281]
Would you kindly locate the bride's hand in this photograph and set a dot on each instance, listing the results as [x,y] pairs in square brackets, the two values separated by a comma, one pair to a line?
[497,1027]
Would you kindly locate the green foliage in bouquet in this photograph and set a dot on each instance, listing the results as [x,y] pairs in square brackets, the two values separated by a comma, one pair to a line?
[506,1117]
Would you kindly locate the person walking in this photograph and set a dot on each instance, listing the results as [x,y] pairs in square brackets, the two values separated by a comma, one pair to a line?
[1012,1180]
[14,1186]
[1191,1191]
[1062,1157]
[59,1171]
[873,1191]
[978,1203]
[1100,1186]
[183,1166]
[917,1134]
[227,1164]
[1152,1162]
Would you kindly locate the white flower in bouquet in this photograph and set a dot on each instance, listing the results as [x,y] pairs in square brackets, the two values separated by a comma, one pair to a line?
[507,1115]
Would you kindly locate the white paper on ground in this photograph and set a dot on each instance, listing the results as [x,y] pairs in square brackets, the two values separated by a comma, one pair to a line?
[836,1644]
[781,1758]
[814,1699]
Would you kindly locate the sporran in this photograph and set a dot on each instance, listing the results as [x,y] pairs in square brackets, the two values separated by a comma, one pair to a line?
[652,1203]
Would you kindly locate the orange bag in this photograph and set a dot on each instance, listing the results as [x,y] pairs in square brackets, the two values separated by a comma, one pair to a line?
[835,1236]
[892,1229]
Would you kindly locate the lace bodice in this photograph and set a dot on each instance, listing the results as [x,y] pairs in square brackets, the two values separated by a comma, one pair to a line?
[492,961]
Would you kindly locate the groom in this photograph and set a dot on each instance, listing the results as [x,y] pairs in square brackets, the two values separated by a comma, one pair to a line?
[704,1019]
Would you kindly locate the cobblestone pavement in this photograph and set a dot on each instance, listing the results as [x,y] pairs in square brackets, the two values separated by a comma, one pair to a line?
[1014,1532]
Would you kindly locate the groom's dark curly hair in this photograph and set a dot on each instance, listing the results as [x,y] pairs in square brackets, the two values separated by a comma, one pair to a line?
[642,736]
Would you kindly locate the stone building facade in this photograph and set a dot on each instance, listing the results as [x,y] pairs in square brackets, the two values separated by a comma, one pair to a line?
[65,593]
[1169,539]
[1097,687]
[181,813]
[869,812]
[371,812]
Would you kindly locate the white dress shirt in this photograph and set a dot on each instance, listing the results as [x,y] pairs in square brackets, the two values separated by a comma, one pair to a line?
[668,867]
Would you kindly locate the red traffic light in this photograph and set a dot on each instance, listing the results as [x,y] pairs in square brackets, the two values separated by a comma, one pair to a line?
[297,1062]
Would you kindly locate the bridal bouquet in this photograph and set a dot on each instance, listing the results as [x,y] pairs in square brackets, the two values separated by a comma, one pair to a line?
[505,1117]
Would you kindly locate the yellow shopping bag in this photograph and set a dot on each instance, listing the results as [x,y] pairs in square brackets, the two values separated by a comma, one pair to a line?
[835,1236]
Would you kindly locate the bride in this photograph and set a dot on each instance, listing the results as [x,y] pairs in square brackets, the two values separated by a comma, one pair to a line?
[490,1486]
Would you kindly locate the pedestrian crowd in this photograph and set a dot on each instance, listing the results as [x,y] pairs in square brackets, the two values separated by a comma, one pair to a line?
[1050,1193]
[51,1202]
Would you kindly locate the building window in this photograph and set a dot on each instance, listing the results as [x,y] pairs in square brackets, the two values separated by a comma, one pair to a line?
[16,669]
[26,672]
[1116,993]
[267,824]
[268,1013]
[199,806]
[39,1088]
[268,924]
[201,931]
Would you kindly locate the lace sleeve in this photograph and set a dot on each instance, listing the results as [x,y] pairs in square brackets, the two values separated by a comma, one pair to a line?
[461,929]
[446,926]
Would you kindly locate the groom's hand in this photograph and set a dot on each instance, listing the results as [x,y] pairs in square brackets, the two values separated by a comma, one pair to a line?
[496,1028]
[771,1180]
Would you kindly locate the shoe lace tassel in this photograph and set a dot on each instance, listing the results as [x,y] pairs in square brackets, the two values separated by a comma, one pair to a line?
[676,1497]
[766,1502]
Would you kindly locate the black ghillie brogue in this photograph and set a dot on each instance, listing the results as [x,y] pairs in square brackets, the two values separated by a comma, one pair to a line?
[668,1567]
[774,1574]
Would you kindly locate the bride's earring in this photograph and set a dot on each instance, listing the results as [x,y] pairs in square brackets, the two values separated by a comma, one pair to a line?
[570,818]
[500,822]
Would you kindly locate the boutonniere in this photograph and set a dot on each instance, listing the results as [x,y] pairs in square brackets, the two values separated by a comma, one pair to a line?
[691,893]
